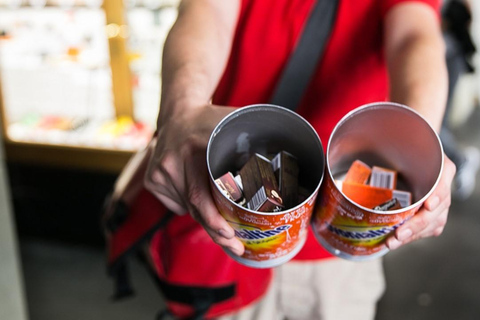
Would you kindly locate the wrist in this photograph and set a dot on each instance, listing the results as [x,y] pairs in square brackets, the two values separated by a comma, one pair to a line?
[179,107]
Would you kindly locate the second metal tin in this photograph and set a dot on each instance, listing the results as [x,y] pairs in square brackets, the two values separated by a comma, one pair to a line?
[383,134]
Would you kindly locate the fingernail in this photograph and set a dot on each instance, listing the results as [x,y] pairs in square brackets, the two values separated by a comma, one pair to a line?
[404,234]
[394,244]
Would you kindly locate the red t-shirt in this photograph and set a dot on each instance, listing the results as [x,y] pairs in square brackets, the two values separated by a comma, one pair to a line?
[352,71]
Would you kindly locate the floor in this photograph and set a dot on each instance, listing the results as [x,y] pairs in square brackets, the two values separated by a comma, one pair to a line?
[64,263]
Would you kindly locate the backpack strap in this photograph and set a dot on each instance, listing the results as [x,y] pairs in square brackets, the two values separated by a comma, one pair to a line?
[146,215]
[303,62]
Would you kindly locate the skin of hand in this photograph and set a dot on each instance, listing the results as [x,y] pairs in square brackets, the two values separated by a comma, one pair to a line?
[415,55]
[194,57]
[431,219]
[178,173]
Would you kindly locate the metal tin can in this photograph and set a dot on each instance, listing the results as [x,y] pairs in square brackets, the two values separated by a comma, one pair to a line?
[384,134]
[270,238]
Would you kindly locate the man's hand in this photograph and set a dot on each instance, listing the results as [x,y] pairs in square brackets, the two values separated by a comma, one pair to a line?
[177,173]
[430,220]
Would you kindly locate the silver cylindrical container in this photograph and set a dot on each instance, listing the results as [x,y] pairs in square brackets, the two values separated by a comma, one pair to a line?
[382,134]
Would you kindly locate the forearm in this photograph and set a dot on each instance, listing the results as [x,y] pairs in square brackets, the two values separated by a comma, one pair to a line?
[416,62]
[195,54]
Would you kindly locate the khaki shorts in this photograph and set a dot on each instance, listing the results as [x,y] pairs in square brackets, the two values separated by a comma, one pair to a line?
[332,289]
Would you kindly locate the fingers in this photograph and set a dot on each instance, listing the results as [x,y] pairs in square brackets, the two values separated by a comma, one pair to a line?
[163,180]
[424,224]
[177,174]
[180,181]
[202,207]
[432,217]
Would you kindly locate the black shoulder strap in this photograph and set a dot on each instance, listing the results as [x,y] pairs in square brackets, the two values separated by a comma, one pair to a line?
[302,64]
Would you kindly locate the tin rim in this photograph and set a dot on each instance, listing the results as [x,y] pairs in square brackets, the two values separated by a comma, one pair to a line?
[255,107]
[376,105]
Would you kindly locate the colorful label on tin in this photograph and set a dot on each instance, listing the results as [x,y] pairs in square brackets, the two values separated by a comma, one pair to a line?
[349,228]
[364,235]
[257,235]
[266,236]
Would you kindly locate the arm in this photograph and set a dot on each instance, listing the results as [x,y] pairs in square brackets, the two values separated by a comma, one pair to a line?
[195,54]
[415,56]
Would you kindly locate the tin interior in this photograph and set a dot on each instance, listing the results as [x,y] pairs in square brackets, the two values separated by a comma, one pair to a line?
[391,136]
[266,129]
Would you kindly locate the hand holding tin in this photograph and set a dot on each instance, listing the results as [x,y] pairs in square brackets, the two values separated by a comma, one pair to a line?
[431,219]
[408,156]
[177,172]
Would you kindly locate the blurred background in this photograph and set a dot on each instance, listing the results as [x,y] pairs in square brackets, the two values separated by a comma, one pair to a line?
[79,94]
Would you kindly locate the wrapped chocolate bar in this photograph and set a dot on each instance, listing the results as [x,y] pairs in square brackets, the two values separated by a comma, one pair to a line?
[229,187]
[260,186]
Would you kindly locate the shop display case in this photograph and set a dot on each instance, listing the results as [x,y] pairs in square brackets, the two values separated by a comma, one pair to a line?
[80,79]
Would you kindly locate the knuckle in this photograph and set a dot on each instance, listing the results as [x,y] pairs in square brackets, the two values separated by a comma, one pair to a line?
[154,182]
[156,177]
[167,161]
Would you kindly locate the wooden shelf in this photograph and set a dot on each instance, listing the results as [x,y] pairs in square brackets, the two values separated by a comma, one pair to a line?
[95,159]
